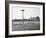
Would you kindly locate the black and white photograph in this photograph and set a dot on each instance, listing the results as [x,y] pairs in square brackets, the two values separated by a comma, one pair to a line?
[25,18]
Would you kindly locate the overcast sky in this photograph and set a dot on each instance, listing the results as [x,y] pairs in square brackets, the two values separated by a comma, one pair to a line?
[28,12]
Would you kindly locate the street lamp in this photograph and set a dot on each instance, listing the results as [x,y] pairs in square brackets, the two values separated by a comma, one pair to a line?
[23,16]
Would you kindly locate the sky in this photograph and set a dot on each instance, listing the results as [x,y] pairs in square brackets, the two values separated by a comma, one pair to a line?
[28,12]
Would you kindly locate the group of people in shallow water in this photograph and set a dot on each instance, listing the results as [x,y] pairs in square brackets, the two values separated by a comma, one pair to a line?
[25,22]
